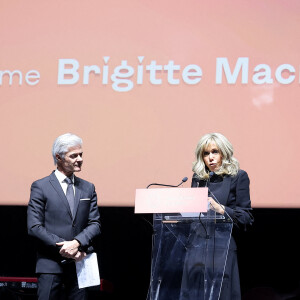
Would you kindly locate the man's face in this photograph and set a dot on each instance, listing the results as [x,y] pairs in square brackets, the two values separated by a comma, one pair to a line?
[72,161]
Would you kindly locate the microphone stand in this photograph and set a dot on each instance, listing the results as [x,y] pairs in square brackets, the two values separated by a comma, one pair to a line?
[160,184]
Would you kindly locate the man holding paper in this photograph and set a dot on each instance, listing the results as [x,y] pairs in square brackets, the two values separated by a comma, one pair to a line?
[64,218]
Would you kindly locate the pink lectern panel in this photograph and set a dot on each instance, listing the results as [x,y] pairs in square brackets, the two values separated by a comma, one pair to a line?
[171,200]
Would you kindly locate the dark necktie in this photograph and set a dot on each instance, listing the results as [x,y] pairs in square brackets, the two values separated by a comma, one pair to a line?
[70,193]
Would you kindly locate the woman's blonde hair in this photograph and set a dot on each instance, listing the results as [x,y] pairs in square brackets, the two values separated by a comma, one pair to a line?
[230,165]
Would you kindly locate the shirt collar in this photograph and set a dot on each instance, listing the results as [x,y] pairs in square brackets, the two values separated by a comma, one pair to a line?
[61,177]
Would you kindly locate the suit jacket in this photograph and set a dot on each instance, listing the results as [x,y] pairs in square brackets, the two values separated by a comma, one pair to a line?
[49,219]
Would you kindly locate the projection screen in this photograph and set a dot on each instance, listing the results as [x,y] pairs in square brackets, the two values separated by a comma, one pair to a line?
[141,82]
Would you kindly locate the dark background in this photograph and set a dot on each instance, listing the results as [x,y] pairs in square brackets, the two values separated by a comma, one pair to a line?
[268,254]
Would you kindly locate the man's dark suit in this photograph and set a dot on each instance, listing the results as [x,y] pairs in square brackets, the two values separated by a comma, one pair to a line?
[50,220]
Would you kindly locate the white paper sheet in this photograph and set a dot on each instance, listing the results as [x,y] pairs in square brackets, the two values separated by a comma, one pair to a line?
[88,271]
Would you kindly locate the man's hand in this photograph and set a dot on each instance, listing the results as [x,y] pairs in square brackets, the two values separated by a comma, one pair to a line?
[69,249]
[79,256]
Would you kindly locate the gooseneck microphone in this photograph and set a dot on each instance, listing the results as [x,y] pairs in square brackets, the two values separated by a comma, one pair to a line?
[211,174]
[159,184]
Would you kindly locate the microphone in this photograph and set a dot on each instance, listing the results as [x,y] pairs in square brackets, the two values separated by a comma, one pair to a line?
[211,174]
[182,181]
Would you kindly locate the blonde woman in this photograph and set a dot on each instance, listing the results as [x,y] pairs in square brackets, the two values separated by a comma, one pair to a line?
[216,168]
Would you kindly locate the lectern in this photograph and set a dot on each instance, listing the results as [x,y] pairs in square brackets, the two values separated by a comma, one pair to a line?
[189,248]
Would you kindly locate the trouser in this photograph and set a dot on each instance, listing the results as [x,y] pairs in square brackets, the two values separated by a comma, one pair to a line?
[60,286]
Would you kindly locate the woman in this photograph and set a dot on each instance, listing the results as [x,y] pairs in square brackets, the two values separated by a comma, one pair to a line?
[217,169]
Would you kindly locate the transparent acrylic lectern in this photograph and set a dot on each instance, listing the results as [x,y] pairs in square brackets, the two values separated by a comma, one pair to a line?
[189,255]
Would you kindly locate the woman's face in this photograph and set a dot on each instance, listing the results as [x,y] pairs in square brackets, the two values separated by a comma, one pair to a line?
[212,157]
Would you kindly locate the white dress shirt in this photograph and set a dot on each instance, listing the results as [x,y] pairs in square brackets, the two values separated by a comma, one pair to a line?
[61,179]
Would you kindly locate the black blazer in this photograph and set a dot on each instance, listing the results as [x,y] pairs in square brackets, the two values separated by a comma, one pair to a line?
[233,193]
[49,219]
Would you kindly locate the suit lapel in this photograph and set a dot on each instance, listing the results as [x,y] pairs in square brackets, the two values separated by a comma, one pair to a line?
[56,185]
[77,184]
[223,191]
[226,187]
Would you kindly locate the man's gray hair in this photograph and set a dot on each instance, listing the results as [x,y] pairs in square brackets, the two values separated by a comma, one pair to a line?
[63,143]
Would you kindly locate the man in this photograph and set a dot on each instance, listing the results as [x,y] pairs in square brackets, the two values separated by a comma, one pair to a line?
[63,216]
